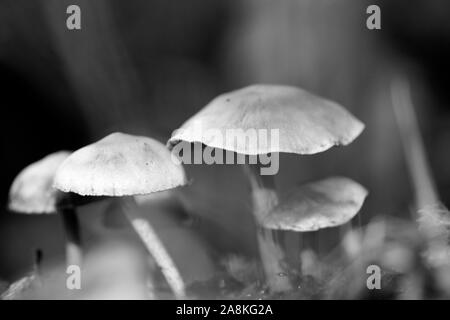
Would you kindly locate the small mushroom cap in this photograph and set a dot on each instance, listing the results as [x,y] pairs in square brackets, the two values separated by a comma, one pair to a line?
[32,190]
[307,124]
[326,203]
[119,165]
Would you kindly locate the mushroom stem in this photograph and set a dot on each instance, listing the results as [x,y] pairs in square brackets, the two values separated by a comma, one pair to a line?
[345,229]
[73,239]
[292,244]
[155,246]
[37,266]
[264,199]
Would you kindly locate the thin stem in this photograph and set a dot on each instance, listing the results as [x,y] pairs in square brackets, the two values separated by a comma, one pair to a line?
[345,229]
[264,200]
[155,247]
[73,239]
[432,216]
[413,146]
[37,267]
[37,261]
[292,244]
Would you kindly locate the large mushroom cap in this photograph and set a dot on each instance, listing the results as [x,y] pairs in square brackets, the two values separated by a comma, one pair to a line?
[307,124]
[326,203]
[119,165]
[32,190]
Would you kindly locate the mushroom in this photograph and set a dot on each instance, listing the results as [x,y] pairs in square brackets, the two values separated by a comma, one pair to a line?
[317,205]
[32,192]
[122,165]
[303,123]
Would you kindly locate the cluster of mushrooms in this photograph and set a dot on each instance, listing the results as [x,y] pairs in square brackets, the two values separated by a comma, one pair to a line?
[123,166]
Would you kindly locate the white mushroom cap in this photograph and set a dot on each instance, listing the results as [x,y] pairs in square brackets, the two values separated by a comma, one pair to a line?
[307,124]
[326,203]
[118,165]
[32,190]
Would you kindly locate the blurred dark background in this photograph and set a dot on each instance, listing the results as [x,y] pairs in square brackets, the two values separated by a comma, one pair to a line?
[144,67]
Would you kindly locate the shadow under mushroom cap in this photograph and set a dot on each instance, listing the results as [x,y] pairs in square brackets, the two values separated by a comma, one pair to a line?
[326,203]
[307,124]
[120,165]
[32,190]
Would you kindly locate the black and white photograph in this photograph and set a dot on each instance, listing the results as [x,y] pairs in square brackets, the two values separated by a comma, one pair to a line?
[227,155]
